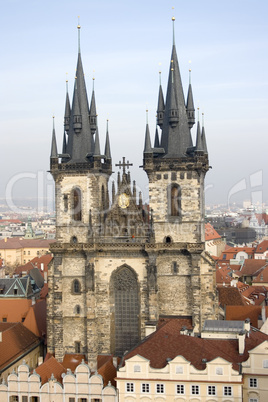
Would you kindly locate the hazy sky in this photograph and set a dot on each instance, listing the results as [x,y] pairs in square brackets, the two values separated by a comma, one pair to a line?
[123,44]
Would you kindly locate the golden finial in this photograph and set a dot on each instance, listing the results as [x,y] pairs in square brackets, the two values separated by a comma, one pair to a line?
[78,26]
[66,77]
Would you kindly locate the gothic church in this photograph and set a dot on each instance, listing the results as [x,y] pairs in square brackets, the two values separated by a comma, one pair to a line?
[119,266]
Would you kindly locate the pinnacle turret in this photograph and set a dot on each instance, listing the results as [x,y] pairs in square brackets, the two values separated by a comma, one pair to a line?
[147,144]
[93,112]
[107,150]
[203,137]
[67,110]
[190,104]
[54,150]
[160,105]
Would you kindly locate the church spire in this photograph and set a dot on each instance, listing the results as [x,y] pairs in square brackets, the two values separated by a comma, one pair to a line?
[147,144]
[80,141]
[203,137]
[190,104]
[176,137]
[93,111]
[54,151]
[199,145]
[161,104]
[107,151]
[67,113]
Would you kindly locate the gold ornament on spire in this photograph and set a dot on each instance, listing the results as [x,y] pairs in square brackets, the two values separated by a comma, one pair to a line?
[78,26]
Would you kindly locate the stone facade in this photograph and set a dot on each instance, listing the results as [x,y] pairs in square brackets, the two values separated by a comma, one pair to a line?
[120,265]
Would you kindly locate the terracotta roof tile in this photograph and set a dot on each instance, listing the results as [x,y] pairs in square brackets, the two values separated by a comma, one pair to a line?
[49,367]
[167,342]
[230,296]
[211,233]
[16,340]
[250,267]
[262,247]
[108,371]
[13,243]
[241,313]
[71,361]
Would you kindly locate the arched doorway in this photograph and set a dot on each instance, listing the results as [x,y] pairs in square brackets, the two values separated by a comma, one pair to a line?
[125,300]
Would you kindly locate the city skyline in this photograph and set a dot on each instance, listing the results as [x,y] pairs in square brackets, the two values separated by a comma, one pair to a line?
[123,47]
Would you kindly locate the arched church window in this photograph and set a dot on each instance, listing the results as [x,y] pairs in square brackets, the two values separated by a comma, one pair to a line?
[76,286]
[76,204]
[77,309]
[174,200]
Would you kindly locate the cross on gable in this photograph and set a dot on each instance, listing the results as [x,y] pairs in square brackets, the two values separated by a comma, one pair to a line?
[124,165]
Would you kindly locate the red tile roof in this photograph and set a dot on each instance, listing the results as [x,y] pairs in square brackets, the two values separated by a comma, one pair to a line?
[262,247]
[14,243]
[108,371]
[38,262]
[241,313]
[167,342]
[230,296]
[49,367]
[14,309]
[263,276]
[210,232]
[35,320]
[71,361]
[251,267]
[16,341]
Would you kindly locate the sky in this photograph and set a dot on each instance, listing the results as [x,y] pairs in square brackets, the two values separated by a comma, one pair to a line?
[124,45]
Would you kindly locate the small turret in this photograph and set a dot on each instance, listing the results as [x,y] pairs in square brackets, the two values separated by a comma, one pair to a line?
[190,104]
[147,144]
[54,150]
[97,144]
[156,139]
[203,137]
[107,151]
[161,104]
[67,111]
[199,145]
[93,112]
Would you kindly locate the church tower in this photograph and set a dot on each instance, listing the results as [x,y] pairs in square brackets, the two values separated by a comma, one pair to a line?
[176,171]
[120,265]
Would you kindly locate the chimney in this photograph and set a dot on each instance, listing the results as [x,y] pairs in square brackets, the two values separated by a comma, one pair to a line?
[0,336]
[40,360]
[184,331]
[33,301]
[115,362]
[42,266]
[241,342]
[45,277]
[263,314]
[247,325]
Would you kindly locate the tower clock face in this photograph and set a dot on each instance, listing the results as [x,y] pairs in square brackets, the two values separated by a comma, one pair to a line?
[123,200]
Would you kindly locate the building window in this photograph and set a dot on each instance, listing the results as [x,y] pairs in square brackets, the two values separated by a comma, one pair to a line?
[253,400]
[195,389]
[160,389]
[211,390]
[34,399]
[265,363]
[179,369]
[4,319]
[219,371]
[77,347]
[137,368]
[77,309]
[24,398]
[14,398]
[71,399]
[224,257]
[76,205]
[76,287]
[29,252]
[180,389]
[175,267]
[227,391]
[253,382]
[24,252]
[145,387]
[129,387]
[82,400]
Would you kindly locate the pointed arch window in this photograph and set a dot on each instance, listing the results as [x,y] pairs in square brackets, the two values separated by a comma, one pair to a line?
[76,204]
[76,287]
[174,197]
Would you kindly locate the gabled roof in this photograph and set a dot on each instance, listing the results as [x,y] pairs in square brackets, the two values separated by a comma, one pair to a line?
[263,276]
[35,319]
[49,367]
[38,262]
[72,360]
[16,341]
[14,310]
[262,247]
[167,343]
[18,287]
[107,370]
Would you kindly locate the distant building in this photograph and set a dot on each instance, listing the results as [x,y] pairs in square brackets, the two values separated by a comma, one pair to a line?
[16,251]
